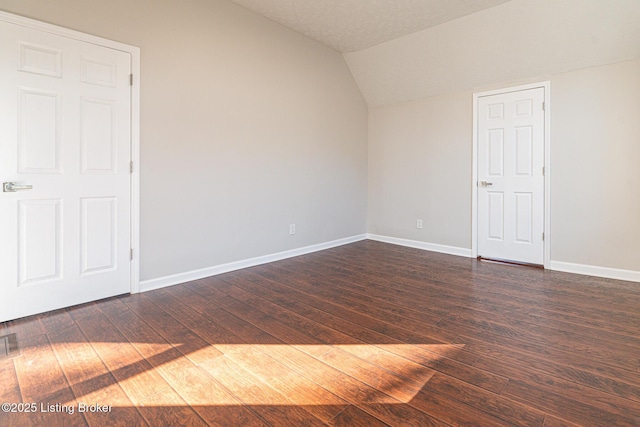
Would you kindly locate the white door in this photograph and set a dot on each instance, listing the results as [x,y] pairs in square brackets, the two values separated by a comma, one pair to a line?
[65,138]
[510,176]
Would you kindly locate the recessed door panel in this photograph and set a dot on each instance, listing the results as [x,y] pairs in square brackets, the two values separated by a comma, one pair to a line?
[99,234]
[39,145]
[496,152]
[98,136]
[98,72]
[523,108]
[496,215]
[523,207]
[39,241]
[524,151]
[495,112]
[42,60]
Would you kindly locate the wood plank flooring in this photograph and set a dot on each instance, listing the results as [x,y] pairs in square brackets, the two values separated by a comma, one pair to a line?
[365,334]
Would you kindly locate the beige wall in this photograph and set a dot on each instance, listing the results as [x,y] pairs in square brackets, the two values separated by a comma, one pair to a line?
[420,167]
[595,163]
[246,127]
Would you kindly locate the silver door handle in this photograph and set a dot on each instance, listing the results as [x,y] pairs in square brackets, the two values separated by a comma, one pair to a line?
[12,187]
[485,184]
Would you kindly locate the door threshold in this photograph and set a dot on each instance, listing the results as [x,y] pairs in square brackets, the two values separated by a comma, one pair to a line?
[511,262]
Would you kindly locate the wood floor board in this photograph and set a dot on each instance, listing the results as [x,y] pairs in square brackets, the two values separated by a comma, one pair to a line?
[363,334]
[344,326]
[167,408]
[560,397]
[372,401]
[188,343]
[92,382]
[252,358]
[353,416]
[439,357]
[533,329]
[370,290]
[553,343]
[380,308]
[558,404]
[362,350]
[619,382]
[551,421]
[520,307]
[313,398]
[10,391]
[335,381]
[212,402]
[266,401]
[301,391]
[496,405]
[333,304]
[372,376]
[133,372]
[549,287]
[43,386]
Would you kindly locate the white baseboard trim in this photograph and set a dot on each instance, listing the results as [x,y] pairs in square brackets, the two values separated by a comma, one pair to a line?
[175,279]
[592,270]
[451,250]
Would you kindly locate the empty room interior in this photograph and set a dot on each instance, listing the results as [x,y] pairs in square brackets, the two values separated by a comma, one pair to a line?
[279,212]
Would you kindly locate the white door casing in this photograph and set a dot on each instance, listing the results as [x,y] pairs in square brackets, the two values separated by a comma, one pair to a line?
[509,178]
[66,130]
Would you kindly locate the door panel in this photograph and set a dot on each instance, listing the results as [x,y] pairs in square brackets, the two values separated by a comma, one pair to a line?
[510,176]
[65,130]
[98,234]
[39,145]
[39,241]
[496,215]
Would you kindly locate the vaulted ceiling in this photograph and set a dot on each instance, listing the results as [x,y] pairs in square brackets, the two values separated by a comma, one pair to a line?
[349,25]
[401,50]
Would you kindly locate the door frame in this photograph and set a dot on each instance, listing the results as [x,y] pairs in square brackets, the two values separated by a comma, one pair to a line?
[546,86]
[134,53]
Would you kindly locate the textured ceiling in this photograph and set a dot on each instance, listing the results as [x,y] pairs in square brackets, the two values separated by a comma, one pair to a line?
[521,40]
[351,25]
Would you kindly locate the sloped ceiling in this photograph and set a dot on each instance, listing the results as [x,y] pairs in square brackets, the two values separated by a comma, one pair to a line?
[350,25]
[521,40]
[402,50]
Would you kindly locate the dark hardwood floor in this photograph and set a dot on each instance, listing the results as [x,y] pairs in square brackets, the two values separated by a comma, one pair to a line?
[360,335]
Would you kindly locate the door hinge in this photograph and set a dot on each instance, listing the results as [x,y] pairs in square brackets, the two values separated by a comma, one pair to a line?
[544,107]
[131,166]
[543,236]
[543,171]
[131,254]
[130,79]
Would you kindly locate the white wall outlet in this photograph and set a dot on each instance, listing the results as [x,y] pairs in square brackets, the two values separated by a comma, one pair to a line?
[292,229]
[419,223]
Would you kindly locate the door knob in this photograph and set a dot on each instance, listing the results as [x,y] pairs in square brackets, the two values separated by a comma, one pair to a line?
[485,184]
[12,187]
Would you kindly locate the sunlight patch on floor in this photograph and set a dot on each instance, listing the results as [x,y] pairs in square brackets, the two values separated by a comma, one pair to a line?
[303,374]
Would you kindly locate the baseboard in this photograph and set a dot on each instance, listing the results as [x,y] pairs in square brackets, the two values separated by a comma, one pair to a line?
[161,282]
[175,279]
[592,270]
[451,250]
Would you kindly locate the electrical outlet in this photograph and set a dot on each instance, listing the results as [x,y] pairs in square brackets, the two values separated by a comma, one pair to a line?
[419,223]
[292,229]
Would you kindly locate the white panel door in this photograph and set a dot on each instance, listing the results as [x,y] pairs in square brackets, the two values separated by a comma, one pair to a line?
[510,176]
[65,131]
